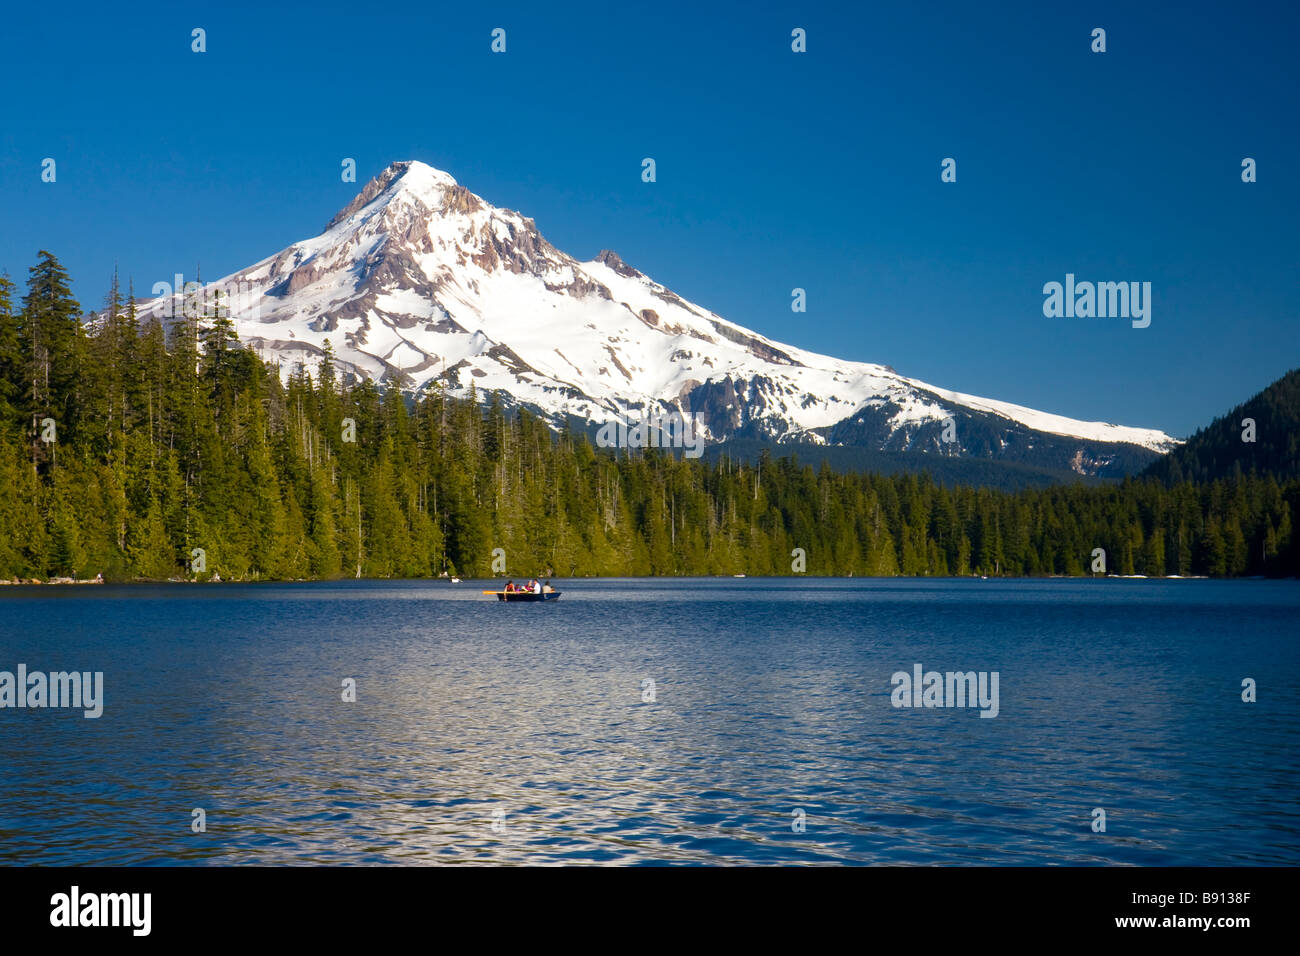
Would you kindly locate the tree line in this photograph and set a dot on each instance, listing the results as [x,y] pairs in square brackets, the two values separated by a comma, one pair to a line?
[164,449]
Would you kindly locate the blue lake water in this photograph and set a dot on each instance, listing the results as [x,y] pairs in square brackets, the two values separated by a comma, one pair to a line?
[489,732]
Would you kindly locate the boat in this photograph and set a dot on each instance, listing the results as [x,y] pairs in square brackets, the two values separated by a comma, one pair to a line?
[525,595]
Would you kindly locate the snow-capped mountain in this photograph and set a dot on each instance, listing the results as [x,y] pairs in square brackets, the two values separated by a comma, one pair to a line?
[418,277]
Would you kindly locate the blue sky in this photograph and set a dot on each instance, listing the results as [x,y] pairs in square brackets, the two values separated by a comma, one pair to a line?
[775,170]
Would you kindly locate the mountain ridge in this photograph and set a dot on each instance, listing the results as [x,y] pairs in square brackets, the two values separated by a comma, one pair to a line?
[1260,435]
[420,281]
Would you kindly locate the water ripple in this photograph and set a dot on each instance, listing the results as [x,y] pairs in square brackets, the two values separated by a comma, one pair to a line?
[489,733]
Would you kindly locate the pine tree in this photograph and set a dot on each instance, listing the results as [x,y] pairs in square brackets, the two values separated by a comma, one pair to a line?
[12,370]
[50,338]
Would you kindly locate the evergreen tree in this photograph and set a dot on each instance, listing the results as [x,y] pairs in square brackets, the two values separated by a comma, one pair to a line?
[179,438]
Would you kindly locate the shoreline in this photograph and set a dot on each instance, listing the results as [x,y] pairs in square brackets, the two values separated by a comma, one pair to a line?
[63,582]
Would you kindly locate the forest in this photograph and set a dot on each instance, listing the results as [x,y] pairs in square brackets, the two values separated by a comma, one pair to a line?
[169,451]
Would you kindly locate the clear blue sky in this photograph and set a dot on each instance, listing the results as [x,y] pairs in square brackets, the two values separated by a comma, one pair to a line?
[775,170]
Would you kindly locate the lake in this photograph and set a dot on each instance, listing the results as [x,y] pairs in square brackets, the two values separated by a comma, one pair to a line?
[658,721]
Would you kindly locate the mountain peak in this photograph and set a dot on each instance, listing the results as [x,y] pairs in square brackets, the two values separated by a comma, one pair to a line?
[421,281]
[408,175]
[419,176]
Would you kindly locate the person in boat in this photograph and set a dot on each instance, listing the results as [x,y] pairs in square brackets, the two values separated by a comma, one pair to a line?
[510,586]
[534,587]
[547,589]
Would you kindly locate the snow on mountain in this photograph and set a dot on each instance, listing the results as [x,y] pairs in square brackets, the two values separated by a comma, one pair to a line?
[420,279]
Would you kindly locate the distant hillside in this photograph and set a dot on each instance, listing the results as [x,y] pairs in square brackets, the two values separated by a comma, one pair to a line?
[1000,474]
[949,471]
[1220,451]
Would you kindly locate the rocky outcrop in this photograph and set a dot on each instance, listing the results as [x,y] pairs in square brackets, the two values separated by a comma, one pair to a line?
[458,199]
[757,347]
[610,258]
[368,194]
[302,277]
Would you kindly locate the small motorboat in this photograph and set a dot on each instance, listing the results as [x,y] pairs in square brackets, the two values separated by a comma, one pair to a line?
[525,595]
